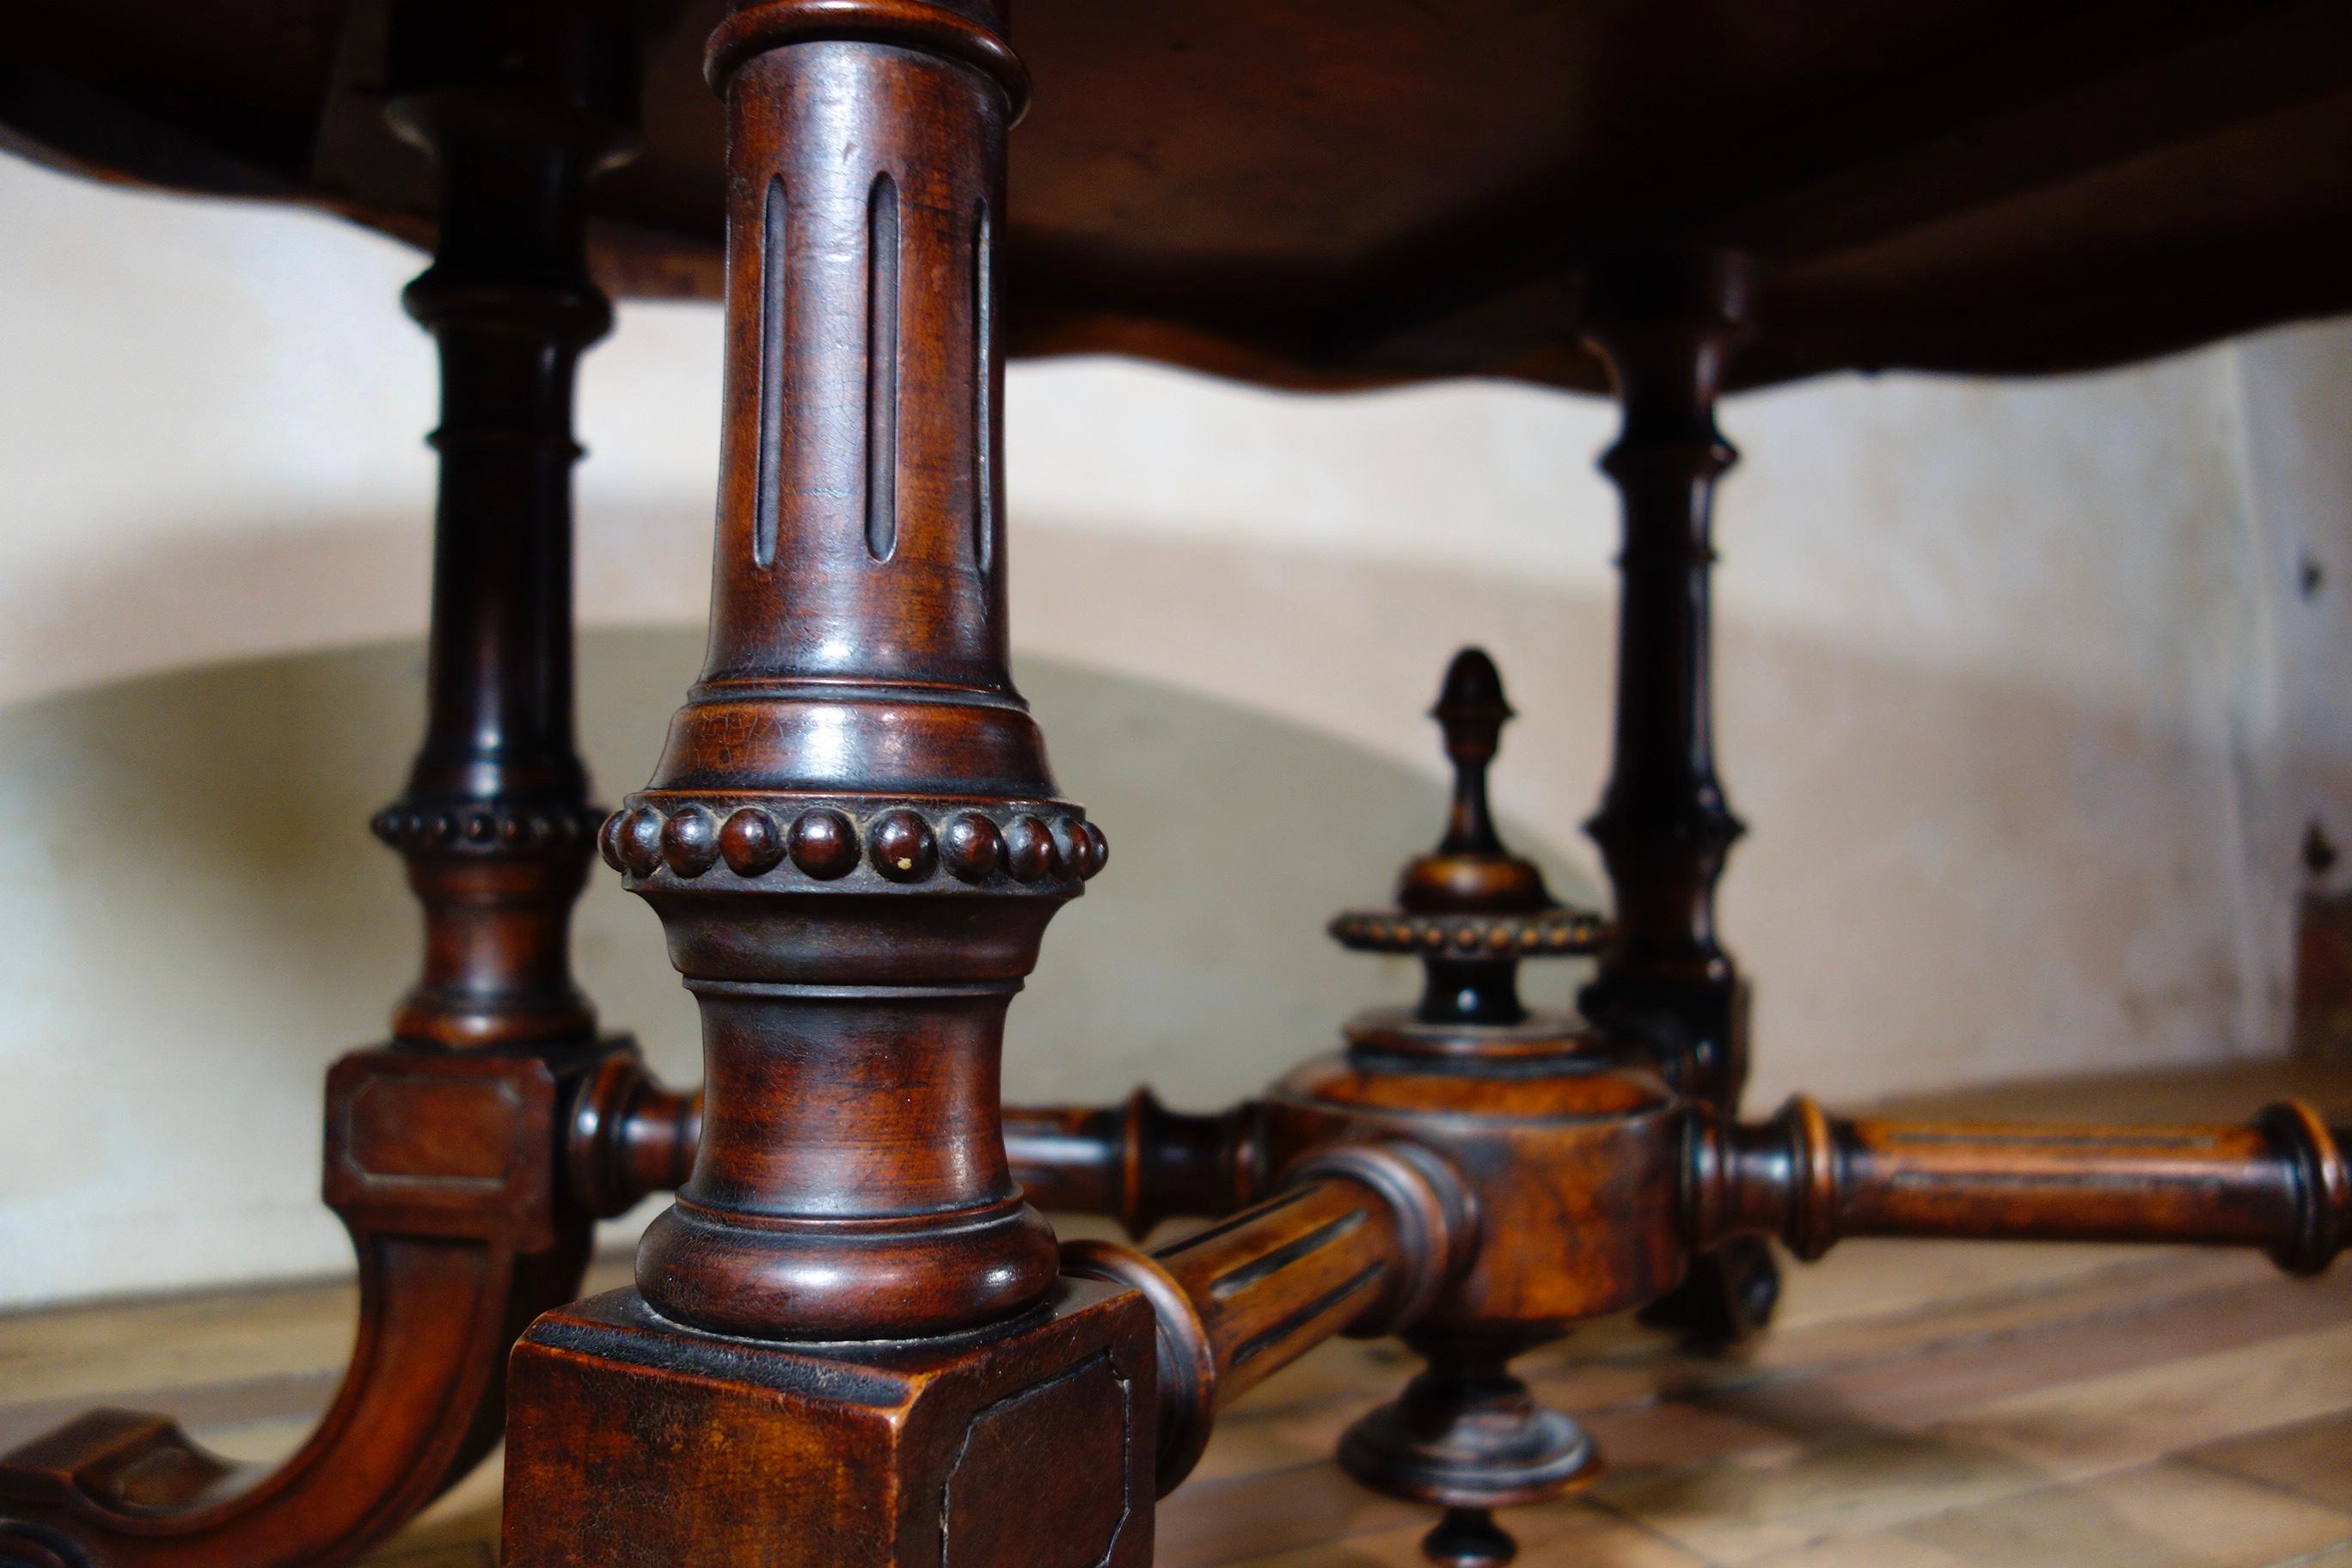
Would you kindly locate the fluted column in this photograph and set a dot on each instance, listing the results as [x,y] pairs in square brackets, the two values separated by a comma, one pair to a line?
[849,1345]
[853,838]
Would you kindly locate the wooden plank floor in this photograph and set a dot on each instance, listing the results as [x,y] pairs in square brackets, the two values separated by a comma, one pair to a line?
[1917,1406]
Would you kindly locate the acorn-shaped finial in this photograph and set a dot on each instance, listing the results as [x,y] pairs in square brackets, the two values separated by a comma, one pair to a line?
[1470,872]
[1471,910]
[1472,712]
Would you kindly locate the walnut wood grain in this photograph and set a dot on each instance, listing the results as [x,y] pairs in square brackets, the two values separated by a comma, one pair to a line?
[852,1340]
[849,1343]
[628,1136]
[851,838]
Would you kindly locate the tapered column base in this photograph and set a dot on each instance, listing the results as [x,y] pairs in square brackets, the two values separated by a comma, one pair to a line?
[632,1440]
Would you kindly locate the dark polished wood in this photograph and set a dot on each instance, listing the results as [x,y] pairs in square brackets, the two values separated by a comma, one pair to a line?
[1360,1241]
[444,1151]
[1140,1162]
[1809,1179]
[443,1170]
[495,824]
[1334,192]
[1667,325]
[851,838]
[1599,1185]
[848,1344]
[853,1341]
[1028,1446]
[628,1136]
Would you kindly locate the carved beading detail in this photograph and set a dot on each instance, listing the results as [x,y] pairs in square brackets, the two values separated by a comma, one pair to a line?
[1544,932]
[483,826]
[860,845]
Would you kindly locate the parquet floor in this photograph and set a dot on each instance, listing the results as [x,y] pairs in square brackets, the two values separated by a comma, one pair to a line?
[1917,1406]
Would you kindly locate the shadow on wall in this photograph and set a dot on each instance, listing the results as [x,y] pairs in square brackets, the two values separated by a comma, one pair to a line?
[1952,874]
[201,923]
[1198,961]
[216,588]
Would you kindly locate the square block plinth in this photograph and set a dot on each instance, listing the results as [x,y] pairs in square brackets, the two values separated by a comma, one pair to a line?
[633,1442]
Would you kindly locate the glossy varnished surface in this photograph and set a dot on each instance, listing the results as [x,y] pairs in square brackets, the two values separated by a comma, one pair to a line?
[1334,191]
[1942,1405]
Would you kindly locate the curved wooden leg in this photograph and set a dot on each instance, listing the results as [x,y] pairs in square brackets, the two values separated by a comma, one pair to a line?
[447,1151]
[441,1169]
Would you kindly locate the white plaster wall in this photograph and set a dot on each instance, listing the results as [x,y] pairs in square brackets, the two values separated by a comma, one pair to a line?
[2019,695]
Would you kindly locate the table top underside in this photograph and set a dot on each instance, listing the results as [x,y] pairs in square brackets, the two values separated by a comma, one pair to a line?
[1329,194]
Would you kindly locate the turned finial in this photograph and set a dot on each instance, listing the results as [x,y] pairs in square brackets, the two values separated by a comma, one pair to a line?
[1470,909]
[1470,872]
[1472,712]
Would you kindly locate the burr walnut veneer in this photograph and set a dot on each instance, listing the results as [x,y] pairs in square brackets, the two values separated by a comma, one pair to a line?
[852,1339]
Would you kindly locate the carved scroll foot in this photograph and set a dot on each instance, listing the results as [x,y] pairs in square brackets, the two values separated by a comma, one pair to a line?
[444,1168]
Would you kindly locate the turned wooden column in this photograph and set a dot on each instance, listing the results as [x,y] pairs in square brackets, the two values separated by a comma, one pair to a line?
[1666,326]
[1139,1162]
[495,822]
[2281,1182]
[849,1345]
[851,838]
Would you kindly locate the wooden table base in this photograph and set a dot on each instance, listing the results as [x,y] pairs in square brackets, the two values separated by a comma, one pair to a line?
[852,1340]
[1928,1403]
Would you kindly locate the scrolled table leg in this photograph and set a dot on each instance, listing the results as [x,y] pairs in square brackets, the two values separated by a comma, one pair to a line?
[444,1151]
[444,1171]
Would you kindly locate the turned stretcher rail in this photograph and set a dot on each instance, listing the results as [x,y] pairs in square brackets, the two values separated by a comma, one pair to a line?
[1139,1162]
[2279,1182]
[1360,1240]
[628,1136]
